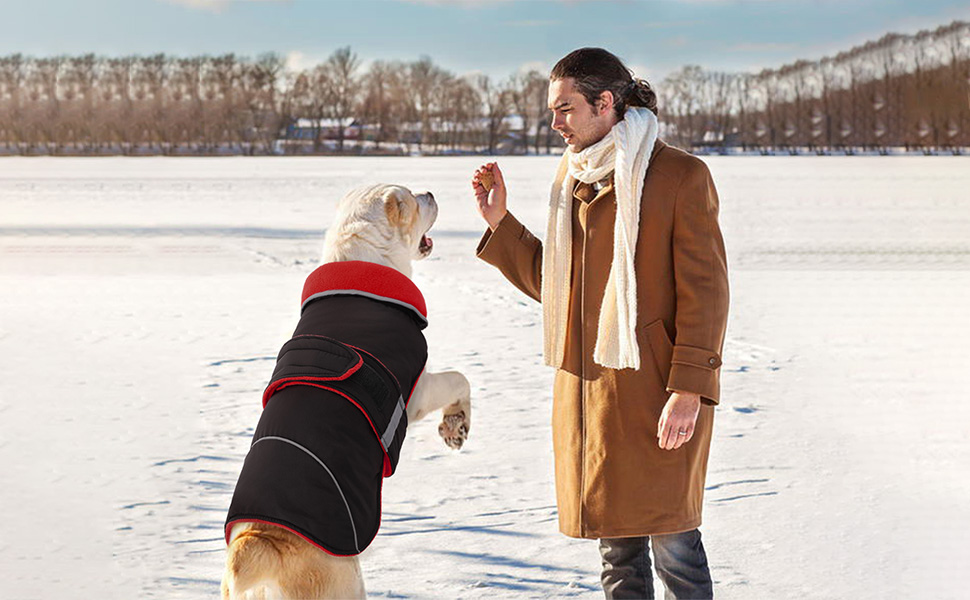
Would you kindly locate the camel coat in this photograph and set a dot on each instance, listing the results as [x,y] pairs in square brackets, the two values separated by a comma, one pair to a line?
[612,478]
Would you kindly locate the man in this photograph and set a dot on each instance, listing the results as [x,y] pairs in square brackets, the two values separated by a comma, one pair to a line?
[633,282]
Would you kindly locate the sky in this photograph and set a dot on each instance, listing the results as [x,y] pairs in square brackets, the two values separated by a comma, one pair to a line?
[495,37]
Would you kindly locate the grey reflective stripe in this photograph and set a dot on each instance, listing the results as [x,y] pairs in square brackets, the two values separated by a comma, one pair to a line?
[329,472]
[366,295]
[388,436]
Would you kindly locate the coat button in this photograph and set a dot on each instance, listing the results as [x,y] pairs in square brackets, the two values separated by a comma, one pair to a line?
[713,360]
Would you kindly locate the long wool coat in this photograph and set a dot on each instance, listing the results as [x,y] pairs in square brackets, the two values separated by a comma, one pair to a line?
[612,478]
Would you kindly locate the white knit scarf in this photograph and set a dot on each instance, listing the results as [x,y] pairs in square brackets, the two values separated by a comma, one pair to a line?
[625,151]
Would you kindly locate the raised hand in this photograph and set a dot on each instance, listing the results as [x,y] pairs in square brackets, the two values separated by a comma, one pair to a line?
[491,202]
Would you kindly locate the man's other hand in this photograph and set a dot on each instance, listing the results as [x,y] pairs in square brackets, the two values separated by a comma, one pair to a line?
[676,426]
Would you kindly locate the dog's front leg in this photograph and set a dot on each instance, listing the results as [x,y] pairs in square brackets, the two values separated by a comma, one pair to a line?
[451,392]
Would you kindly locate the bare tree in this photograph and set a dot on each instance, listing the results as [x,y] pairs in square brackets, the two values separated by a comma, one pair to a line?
[44,121]
[148,81]
[681,96]
[318,102]
[15,134]
[741,89]
[342,69]
[424,80]
[495,103]
[117,104]
[461,112]
[259,90]
[527,95]
[378,106]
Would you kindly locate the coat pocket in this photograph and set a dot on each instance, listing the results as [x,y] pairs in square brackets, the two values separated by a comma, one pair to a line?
[661,347]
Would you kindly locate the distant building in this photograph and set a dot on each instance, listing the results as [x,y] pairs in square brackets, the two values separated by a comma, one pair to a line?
[304,134]
[326,129]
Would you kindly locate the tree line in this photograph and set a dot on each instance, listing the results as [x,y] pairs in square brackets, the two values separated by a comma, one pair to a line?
[909,91]
[901,90]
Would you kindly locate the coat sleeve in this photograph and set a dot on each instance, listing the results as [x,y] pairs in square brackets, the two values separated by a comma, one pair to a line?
[701,284]
[516,253]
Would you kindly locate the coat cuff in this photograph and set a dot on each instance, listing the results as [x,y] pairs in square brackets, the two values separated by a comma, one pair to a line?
[697,371]
[494,244]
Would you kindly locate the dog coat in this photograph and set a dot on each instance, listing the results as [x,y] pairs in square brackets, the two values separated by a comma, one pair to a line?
[334,417]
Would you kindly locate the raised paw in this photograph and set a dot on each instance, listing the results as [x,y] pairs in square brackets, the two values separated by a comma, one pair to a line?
[454,430]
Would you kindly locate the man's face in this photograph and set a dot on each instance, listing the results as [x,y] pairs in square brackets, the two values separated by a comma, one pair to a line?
[580,124]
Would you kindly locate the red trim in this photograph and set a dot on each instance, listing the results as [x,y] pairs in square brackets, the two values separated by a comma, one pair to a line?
[408,401]
[386,470]
[293,531]
[366,277]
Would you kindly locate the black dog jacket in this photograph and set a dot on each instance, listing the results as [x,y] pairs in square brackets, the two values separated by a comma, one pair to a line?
[334,415]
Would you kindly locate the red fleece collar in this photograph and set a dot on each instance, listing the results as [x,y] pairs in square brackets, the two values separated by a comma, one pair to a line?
[371,280]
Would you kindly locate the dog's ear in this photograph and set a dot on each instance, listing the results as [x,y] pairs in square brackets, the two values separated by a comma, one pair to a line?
[401,208]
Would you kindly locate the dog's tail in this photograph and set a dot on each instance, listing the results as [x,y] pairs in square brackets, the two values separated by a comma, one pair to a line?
[253,561]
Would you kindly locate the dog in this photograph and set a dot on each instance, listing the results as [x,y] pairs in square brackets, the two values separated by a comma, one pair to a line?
[340,378]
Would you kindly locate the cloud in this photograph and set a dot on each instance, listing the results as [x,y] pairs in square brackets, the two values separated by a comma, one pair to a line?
[217,6]
[726,2]
[297,61]
[762,47]
[534,65]
[533,23]
[484,3]
[644,72]
[666,24]
[678,41]
[458,3]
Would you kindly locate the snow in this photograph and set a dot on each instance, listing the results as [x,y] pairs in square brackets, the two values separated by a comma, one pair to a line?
[143,300]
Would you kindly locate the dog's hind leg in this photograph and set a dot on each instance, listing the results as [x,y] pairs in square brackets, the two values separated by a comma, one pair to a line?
[322,576]
[252,564]
[451,392]
[266,562]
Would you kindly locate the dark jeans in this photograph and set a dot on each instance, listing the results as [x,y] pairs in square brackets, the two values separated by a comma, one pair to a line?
[681,565]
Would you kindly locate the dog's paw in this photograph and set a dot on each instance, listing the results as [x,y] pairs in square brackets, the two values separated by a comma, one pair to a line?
[454,430]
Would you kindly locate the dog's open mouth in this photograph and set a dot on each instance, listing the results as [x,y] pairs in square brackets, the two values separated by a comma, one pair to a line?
[425,245]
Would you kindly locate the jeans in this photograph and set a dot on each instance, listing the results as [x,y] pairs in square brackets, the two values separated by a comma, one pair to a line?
[681,566]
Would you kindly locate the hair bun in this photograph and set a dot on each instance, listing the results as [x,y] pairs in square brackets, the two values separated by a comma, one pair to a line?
[631,87]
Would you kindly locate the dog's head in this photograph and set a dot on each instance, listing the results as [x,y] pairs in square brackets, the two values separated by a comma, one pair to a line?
[386,220]
[411,216]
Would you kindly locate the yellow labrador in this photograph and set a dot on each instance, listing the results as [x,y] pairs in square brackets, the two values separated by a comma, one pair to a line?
[386,225]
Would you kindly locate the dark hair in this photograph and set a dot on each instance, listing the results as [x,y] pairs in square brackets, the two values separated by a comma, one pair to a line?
[596,70]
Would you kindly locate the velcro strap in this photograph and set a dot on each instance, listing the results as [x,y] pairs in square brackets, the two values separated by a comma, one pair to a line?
[316,356]
[312,358]
[377,398]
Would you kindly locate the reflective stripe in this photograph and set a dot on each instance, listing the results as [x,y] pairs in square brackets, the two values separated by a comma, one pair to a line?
[388,436]
[329,472]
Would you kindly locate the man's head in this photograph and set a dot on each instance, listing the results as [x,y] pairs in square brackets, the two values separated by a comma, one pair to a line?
[589,92]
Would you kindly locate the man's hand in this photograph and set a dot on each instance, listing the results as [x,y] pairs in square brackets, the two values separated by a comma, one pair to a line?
[491,203]
[679,415]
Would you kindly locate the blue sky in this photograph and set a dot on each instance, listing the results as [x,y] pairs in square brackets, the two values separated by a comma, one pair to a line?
[497,37]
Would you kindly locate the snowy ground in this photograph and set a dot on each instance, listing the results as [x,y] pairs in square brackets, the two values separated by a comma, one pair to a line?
[142,302]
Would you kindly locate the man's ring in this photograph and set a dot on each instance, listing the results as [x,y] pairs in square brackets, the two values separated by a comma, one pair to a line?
[682,432]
